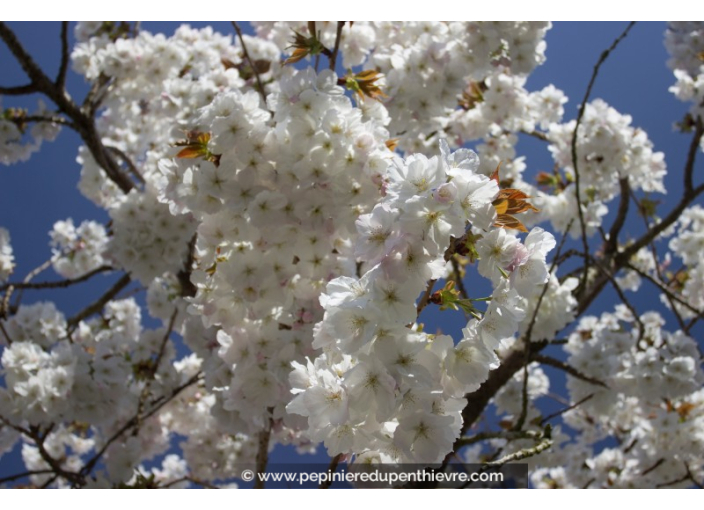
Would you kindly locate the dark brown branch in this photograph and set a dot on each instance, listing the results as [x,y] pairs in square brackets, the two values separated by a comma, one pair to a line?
[556,363]
[689,195]
[263,452]
[331,469]
[458,278]
[624,299]
[162,346]
[85,125]
[336,48]
[260,86]
[127,161]
[563,411]
[425,298]
[585,244]
[688,184]
[134,421]
[100,303]
[57,284]
[524,397]
[154,367]
[656,259]
[61,77]
[25,475]
[55,464]
[653,467]
[188,289]
[20,90]
[612,243]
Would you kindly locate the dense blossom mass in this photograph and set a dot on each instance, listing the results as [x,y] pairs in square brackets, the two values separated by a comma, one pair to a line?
[289,224]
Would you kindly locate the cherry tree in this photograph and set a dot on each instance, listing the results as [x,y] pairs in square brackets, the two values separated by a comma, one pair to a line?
[293,202]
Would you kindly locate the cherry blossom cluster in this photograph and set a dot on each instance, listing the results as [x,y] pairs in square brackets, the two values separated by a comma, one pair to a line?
[96,375]
[18,141]
[608,150]
[684,41]
[77,251]
[289,224]
[379,378]
[651,402]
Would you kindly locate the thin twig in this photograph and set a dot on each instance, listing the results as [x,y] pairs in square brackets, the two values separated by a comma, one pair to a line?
[34,272]
[24,475]
[585,243]
[524,396]
[4,333]
[653,467]
[522,454]
[260,86]
[151,375]
[656,259]
[57,284]
[458,278]
[100,303]
[127,161]
[624,300]
[535,134]
[132,422]
[563,411]
[336,47]
[688,476]
[556,363]
[325,484]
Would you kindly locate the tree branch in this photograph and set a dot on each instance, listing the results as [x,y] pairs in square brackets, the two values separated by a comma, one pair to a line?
[19,90]
[585,244]
[61,77]
[58,284]
[260,86]
[556,363]
[331,469]
[132,422]
[425,298]
[100,303]
[336,48]
[522,454]
[25,474]
[85,125]
[563,411]
[612,243]
[127,161]
[263,452]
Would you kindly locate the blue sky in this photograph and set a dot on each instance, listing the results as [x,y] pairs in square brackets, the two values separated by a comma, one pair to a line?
[634,80]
